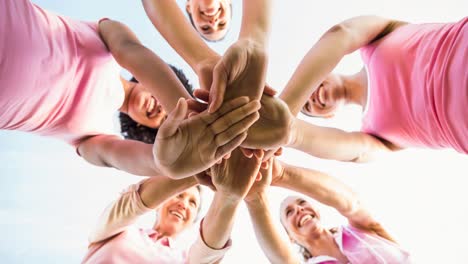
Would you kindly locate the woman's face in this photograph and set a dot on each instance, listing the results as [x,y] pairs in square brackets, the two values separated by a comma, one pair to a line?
[326,99]
[180,211]
[299,218]
[211,18]
[144,108]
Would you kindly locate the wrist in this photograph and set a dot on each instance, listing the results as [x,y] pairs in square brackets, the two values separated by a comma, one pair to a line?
[295,135]
[228,198]
[256,200]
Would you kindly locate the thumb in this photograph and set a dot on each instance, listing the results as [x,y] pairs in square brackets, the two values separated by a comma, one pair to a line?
[172,123]
[218,87]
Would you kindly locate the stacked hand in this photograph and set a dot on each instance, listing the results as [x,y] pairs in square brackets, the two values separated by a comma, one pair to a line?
[235,176]
[184,147]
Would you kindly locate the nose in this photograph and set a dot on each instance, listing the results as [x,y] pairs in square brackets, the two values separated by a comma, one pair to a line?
[213,20]
[182,204]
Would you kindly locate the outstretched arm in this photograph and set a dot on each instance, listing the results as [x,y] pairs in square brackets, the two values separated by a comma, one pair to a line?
[144,64]
[276,249]
[137,200]
[338,41]
[337,144]
[332,192]
[169,20]
[232,179]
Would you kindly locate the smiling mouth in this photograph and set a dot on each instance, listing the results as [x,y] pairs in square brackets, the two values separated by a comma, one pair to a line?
[319,96]
[304,219]
[177,214]
[153,108]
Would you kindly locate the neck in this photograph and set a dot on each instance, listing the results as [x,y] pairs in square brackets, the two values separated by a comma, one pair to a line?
[355,87]
[162,233]
[128,88]
[322,243]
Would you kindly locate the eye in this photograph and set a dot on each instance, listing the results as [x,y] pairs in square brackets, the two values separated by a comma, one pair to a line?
[222,24]
[205,28]
[288,212]
[193,203]
[302,202]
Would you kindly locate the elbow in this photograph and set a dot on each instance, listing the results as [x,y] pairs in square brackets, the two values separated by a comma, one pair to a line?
[344,34]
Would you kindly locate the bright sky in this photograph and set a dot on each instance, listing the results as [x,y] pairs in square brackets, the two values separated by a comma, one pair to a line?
[50,198]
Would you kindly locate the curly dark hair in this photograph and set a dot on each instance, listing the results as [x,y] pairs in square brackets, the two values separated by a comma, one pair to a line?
[133,130]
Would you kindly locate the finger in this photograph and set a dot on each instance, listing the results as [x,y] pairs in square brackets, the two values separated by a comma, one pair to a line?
[219,161]
[234,117]
[169,127]
[202,94]
[279,152]
[227,156]
[192,114]
[225,108]
[265,165]
[238,128]
[196,106]
[268,90]
[258,153]
[230,146]
[247,152]
[218,86]
[259,176]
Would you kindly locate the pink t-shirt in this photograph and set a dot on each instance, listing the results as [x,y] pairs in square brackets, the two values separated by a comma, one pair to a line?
[57,78]
[418,85]
[363,248]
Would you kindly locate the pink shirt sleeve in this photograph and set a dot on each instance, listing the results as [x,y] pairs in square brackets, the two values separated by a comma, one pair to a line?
[201,253]
[119,214]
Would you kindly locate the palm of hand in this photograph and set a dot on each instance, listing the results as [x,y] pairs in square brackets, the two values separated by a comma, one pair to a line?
[178,154]
[273,129]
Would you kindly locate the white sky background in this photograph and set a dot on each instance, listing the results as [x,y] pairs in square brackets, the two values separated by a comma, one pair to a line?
[50,198]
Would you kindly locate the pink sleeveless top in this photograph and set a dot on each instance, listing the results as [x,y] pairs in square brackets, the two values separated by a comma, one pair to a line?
[418,85]
[57,77]
[363,248]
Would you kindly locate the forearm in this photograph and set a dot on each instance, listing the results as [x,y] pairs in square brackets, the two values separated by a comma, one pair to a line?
[128,155]
[219,219]
[340,40]
[148,68]
[256,15]
[155,190]
[273,245]
[319,186]
[321,59]
[169,20]
[119,215]
[333,143]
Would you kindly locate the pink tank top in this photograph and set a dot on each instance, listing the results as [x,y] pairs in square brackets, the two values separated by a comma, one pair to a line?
[57,77]
[363,248]
[418,85]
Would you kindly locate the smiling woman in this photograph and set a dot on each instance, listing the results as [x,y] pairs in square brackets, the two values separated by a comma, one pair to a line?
[115,240]
[211,19]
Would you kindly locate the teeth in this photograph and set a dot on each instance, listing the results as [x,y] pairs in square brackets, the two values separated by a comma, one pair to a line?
[304,219]
[177,214]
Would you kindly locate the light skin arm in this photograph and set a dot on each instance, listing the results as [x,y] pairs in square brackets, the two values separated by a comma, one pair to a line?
[150,70]
[332,192]
[112,151]
[169,20]
[256,24]
[337,144]
[340,40]
[275,247]
[124,211]
[232,179]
